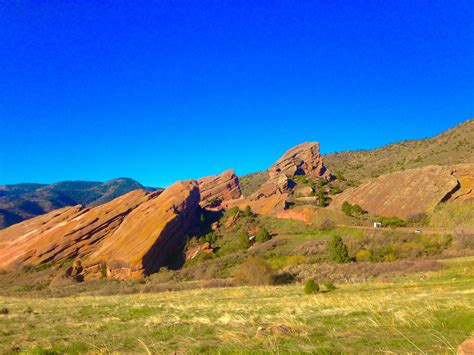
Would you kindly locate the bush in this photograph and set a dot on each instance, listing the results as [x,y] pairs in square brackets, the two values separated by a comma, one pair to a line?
[243,237]
[352,210]
[4,310]
[364,255]
[329,286]
[338,250]
[248,211]
[311,287]
[253,271]
[262,236]
[233,211]
[392,222]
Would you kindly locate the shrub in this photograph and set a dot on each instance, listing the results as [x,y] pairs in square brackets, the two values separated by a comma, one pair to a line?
[329,286]
[233,211]
[352,210]
[311,287]
[364,255]
[243,237]
[247,211]
[262,236]
[103,269]
[253,271]
[347,208]
[338,250]
[322,198]
[392,222]
[4,310]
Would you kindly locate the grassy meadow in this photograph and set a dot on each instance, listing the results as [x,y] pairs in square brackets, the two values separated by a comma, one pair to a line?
[430,312]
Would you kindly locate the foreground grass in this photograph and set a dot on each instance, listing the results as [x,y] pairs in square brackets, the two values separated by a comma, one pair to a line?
[433,312]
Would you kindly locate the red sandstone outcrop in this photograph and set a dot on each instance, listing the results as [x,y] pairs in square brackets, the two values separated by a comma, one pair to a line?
[218,188]
[131,235]
[265,206]
[412,192]
[150,235]
[304,159]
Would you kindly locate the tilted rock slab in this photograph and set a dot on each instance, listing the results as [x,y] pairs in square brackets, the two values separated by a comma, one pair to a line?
[403,194]
[224,187]
[137,231]
[304,159]
[150,235]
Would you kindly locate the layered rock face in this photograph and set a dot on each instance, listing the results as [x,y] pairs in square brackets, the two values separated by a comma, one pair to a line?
[409,193]
[132,235]
[218,188]
[304,159]
[150,234]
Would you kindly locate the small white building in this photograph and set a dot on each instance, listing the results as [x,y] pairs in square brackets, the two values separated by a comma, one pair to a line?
[377,225]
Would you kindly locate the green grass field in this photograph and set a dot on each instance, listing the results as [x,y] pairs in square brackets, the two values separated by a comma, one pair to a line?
[421,313]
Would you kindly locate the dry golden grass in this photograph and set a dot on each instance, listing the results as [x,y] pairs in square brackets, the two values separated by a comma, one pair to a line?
[428,313]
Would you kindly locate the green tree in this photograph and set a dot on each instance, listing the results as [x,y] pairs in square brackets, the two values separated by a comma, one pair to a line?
[338,250]
[262,236]
[243,238]
[323,200]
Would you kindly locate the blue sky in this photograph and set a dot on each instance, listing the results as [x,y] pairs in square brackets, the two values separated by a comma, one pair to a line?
[167,90]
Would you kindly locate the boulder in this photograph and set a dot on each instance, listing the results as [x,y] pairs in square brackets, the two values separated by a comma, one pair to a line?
[304,159]
[218,188]
[403,194]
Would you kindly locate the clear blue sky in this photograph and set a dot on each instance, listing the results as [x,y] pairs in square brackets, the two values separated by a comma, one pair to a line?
[167,90]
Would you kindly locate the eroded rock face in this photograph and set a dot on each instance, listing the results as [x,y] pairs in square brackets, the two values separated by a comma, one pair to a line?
[66,233]
[150,235]
[218,188]
[304,159]
[405,194]
[265,206]
[130,236]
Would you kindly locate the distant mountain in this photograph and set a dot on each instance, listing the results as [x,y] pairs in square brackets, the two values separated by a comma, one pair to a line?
[454,146]
[22,201]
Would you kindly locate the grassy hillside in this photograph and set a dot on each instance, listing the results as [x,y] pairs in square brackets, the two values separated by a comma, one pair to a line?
[451,147]
[424,313]
[22,201]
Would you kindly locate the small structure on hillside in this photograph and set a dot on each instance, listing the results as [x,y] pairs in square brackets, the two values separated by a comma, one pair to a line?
[377,225]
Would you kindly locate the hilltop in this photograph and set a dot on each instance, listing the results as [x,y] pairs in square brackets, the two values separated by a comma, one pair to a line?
[19,202]
[454,146]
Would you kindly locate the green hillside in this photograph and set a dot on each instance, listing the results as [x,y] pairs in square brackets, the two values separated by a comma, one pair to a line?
[451,147]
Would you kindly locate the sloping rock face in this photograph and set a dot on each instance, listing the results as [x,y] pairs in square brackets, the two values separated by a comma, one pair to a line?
[137,231]
[66,233]
[150,234]
[304,159]
[465,175]
[403,194]
[23,201]
[220,188]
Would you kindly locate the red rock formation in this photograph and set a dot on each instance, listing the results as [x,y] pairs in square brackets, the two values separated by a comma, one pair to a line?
[304,159]
[133,234]
[219,188]
[412,192]
[151,234]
